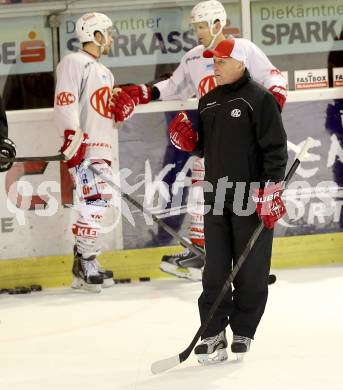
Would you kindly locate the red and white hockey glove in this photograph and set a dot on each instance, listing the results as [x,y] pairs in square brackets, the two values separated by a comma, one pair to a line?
[280,94]
[141,94]
[74,147]
[181,133]
[121,105]
[269,205]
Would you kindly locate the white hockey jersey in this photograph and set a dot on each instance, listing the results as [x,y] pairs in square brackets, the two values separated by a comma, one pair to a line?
[194,75]
[82,92]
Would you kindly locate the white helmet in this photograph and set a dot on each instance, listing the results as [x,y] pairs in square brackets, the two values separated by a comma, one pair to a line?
[209,11]
[88,24]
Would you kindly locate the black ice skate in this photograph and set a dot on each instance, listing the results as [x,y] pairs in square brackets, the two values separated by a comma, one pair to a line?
[215,346]
[183,265]
[86,274]
[240,346]
[106,274]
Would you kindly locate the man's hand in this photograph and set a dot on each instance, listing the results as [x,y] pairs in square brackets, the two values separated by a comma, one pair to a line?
[7,151]
[140,94]
[182,134]
[280,94]
[74,147]
[269,205]
[121,105]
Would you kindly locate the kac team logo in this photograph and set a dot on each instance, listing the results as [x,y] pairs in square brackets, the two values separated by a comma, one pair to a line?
[99,102]
[65,98]
[206,85]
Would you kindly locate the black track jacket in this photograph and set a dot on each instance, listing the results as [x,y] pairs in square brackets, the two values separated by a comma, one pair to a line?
[241,135]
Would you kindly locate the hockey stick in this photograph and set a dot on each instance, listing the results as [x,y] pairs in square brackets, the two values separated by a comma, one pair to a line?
[60,157]
[166,364]
[195,250]
[184,242]
[57,157]
[133,201]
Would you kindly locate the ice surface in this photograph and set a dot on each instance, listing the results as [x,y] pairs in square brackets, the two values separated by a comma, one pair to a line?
[60,339]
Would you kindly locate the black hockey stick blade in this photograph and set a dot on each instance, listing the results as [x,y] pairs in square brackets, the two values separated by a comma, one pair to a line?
[165,364]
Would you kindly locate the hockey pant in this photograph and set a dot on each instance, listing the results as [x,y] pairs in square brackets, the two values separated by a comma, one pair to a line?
[95,197]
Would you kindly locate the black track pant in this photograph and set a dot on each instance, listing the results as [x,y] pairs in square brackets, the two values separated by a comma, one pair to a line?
[225,239]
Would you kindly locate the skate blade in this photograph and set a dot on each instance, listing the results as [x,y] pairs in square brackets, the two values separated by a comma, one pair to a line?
[194,274]
[218,356]
[240,356]
[108,283]
[79,284]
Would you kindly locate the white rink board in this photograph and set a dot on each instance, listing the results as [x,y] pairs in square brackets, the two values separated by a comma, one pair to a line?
[35,134]
[26,233]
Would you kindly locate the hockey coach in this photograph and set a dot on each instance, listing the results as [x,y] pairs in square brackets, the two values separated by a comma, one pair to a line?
[242,138]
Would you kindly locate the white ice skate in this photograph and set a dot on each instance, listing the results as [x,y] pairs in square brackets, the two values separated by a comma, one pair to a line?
[106,274]
[212,349]
[183,265]
[86,274]
[240,346]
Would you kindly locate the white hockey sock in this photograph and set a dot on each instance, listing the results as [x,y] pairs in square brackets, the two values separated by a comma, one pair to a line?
[87,229]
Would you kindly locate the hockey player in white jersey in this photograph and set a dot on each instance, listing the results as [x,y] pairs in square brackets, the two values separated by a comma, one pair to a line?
[86,110]
[194,77]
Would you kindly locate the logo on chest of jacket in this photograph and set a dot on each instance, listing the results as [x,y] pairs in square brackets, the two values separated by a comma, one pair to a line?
[236,113]
[99,102]
[206,85]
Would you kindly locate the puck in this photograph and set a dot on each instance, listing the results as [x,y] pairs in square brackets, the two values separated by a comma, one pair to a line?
[144,279]
[23,290]
[36,287]
[127,280]
[271,279]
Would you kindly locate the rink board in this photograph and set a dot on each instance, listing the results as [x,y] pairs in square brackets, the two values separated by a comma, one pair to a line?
[55,271]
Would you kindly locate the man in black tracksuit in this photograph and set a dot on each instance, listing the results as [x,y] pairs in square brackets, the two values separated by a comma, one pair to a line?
[7,147]
[242,139]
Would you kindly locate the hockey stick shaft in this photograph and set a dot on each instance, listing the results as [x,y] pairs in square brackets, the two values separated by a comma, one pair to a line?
[139,206]
[57,157]
[195,250]
[165,364]
[133,201]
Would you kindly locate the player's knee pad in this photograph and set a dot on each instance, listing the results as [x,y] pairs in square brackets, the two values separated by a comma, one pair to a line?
[198,170]
[89,186]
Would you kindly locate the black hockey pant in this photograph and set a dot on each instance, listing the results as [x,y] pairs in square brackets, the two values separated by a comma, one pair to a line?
[225,239]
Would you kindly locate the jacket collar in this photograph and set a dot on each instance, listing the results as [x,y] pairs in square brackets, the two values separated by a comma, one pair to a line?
[238,83]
